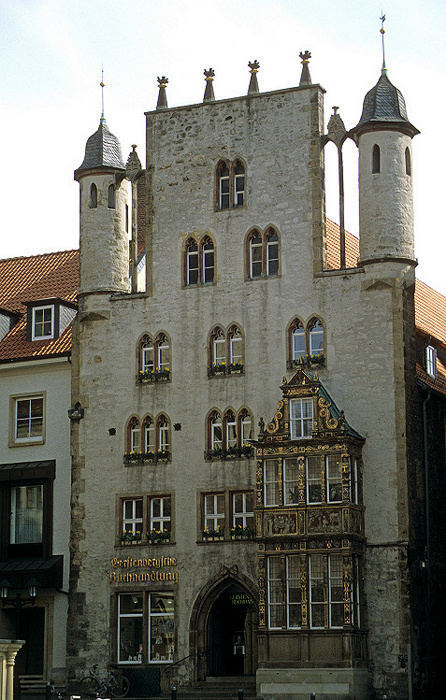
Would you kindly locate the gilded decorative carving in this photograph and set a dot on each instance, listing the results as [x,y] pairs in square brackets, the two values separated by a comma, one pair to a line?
[280,524]
[273,427]
[324,521]
[324,412]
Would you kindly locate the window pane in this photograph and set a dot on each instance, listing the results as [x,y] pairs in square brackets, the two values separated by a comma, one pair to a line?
[29,418]
[317,338]
[272,255]
[334,479]
[26,524]
[162,630]
[130,639]
[301,418]
[274,593]
[290,481]
[317,590]
[336,590]
[315,467]
[219,349]
[255,252]
[298,342]
[223,186]
[231,431]
[147,357]
[271,482]
[208,262]
[294,595]
[192,264]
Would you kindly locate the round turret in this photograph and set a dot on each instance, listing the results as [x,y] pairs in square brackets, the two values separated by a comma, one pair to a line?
[104,246]
[384,136]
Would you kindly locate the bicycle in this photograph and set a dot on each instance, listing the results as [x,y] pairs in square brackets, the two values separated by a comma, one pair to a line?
[57,693]
[104,684]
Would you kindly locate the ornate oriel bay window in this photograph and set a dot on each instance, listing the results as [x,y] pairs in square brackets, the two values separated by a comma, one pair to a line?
[310,528]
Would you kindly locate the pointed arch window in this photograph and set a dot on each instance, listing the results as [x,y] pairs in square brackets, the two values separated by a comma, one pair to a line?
[111,196]
[316,337]
[192,263]
[208,260]
[147,441]
[272,253]
[231,184]
[263,254]
[223,176]
[229,434]
[93,196]
[199,262]
[306,346]
[226,351]
[255,255]
[376,159]
[239,183]
[134,436]
[154,359]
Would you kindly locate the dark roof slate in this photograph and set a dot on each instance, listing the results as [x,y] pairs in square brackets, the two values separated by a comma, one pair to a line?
[102,150]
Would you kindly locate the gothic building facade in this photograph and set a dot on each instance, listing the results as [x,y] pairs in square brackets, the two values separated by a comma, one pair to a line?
[214,534]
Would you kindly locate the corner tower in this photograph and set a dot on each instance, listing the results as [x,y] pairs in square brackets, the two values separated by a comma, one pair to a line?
[385,135]
[104,247]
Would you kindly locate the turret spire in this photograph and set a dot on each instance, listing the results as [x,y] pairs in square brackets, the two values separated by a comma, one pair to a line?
[102,84]
[383,31]
[209,92]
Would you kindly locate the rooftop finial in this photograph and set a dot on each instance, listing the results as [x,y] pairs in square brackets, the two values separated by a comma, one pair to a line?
[383,31]
[162,97]
[102,84]
[305,78]
[209,92]
[253,84]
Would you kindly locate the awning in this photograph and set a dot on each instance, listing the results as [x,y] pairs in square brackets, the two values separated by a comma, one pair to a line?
[48,571]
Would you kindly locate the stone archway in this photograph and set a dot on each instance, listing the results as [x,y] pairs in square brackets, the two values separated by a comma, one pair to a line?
[223,627]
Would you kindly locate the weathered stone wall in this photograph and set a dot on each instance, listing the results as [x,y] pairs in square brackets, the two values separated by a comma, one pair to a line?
[277,135]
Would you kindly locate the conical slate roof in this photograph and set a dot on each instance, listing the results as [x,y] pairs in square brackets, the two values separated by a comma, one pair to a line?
[102,150]
[384,102]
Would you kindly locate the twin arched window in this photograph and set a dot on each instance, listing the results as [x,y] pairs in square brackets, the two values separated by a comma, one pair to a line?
[154,358]
[263,253]
[226,351]
[306,343]
[228,433]
[199,263]
[230,184]
[147,440]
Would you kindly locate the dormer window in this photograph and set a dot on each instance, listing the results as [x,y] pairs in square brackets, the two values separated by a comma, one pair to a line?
[43,322]
[431,361]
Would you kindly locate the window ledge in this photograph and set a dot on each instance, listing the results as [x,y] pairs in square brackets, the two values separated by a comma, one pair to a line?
[147,377]
[237,453]
[221,370]
[144,457]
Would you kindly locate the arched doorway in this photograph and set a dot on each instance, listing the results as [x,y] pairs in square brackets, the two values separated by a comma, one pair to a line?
[224,624]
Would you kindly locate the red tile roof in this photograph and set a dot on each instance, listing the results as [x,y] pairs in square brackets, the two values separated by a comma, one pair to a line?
[33,278]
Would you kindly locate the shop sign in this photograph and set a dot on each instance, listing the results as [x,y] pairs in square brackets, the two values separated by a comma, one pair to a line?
[143,570]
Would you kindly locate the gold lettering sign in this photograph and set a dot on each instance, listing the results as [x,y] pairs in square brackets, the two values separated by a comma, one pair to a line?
[154,572]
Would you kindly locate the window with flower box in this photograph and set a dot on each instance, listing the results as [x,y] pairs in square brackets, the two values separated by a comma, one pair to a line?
[142,616]
[145,519]
[149,440]
[226,351]
[229,434]
[306,344]
[227,515]
[154,358]
[199,261]
[262,253]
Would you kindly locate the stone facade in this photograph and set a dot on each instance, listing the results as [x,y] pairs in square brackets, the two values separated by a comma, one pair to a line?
[366,364]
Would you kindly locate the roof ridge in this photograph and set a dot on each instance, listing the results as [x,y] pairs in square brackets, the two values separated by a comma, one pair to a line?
[40,255]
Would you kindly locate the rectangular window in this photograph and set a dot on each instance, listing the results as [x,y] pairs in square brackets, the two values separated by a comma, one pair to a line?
[163,354]
[28,419]
[214,512]
[272,256]
[271,482]
[216,434]
[161,628]
[290,481]
[208,263]
[130,628]
[219,350]
[132,520]
[192,264]
[160,514]
[335,590]
[431,361]
[236,350]
[315,473]
[354,484]
[26,524]
[231,432]
[301,418]
[317,591]
[224,191]
[274,593]
[149,437]
[147,358]
[334,478]
[43,322]
[243,509]
[294,594]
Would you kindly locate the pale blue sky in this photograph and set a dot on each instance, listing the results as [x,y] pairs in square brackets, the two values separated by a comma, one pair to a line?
[51,53]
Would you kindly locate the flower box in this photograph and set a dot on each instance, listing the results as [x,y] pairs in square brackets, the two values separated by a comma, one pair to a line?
[159,375]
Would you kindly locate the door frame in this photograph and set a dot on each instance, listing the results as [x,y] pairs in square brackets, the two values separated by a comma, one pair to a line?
[198,631]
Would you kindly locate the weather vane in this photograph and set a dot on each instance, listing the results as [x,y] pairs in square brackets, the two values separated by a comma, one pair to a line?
[383,31]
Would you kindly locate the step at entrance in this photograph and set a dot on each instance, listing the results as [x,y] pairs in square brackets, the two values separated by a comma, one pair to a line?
[219,688]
